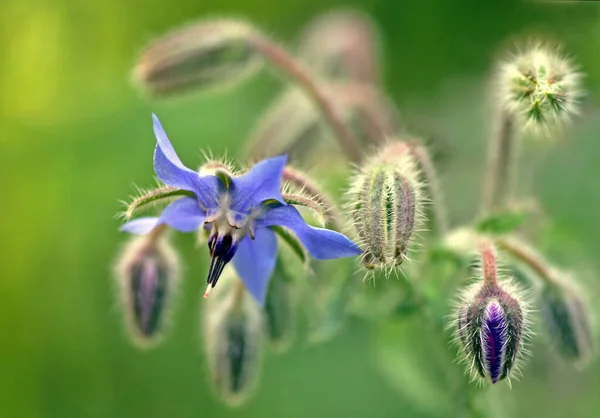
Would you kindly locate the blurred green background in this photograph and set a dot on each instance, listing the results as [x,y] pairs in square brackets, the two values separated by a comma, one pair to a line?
[76,137]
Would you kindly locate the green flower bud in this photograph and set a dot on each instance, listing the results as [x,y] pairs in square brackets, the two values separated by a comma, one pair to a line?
[280,308]
[568,320]
[147,277]
[233,338]
[386,202]
[540,88]
[201,56]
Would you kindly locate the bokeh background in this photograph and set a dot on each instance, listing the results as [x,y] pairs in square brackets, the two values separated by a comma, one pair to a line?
[75,136]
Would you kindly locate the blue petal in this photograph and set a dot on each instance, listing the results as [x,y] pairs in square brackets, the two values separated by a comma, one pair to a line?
[255,260]
[321,243]
[183,214]
[171,171]
[140,226]
[262,182]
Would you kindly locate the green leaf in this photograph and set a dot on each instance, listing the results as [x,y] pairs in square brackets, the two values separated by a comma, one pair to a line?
[415,358]
[501,224]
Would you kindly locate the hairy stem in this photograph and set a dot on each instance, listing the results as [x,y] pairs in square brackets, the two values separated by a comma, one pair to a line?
[499,178]
[529,257]
[433,186]
[304,183]
[488,262]
[285,62]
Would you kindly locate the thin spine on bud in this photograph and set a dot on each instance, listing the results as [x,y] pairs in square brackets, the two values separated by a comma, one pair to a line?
[566,315]
[491,321]
[385,201]
[233,337]
[147,274]
[281,59]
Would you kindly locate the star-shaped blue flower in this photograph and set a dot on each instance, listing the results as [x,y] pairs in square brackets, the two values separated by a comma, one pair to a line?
[240,213]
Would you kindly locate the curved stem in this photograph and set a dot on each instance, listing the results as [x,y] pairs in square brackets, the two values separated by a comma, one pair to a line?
[433,186]
[488,262]
[528,257]
[285,62]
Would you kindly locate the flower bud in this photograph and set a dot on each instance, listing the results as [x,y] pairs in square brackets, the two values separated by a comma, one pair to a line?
[342,44]
[201,56]
[567,318]
[385,200]
[491,323]
[540,88]
[280,308]
[233,338]
[147,277]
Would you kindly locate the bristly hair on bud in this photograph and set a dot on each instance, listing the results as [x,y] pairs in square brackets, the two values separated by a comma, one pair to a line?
[386,201]
[567,318]
[491,321]
[198,57]
[147,275]
[564,310]
[233,338]
[540,87]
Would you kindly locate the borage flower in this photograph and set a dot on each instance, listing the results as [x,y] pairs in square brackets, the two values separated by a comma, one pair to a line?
[239,212]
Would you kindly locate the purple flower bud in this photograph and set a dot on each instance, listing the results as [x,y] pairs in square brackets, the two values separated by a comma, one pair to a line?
[491,323]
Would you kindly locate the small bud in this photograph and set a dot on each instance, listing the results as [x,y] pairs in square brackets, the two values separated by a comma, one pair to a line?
[233,338]
[292,125]
[567,318]
[386,202]
[342,44]
[201,56]
[491,322]
[147,277]
[540,88]
[280,309]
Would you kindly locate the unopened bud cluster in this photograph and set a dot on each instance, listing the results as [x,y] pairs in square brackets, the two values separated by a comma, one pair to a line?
[386,200]
[540,87]
[491,322]
[147,276]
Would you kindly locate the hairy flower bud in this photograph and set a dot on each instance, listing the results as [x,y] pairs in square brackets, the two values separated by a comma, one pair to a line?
[386,201]
[200,56]
[280,308]
[540,87]
[233,338]
[567,318]
[342,44]
[147,274]
[491,322]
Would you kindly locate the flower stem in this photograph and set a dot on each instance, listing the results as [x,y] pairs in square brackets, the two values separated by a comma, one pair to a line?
[529,257]
[304,183]
[433,187]
[285,62]
[500,166]
[488,262]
